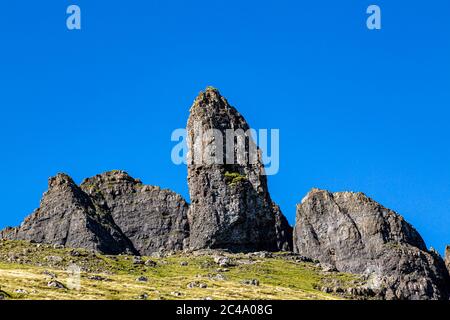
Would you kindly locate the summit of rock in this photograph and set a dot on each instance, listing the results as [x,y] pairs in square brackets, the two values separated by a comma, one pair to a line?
[231,206]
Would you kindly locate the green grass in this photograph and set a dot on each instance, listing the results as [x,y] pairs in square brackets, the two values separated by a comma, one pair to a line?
[233,178]
[279,277]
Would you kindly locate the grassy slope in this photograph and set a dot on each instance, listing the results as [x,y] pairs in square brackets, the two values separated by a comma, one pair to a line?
[22,265]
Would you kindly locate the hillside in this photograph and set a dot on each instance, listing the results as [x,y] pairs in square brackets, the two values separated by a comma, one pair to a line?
[27,270]
[116,218]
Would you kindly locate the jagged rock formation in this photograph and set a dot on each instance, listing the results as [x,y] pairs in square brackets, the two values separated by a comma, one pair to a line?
[67,216]
[230,204]
[153,219]
[355,234]
[111,213]
[231,209]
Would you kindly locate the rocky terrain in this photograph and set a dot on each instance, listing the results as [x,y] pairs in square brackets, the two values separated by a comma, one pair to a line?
[353,233]
[115,222]
[39,271]
[111,213]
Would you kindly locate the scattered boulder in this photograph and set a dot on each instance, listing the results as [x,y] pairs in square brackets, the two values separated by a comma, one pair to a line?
[355,234]
[231,207]
[97,278]
[261,254]
[150,263]
[328,267]
[142,279]
[55,284]
[251,282]
[197,284]
[216,277]
[20,291]
[223,261]
[137,260]
[143,296]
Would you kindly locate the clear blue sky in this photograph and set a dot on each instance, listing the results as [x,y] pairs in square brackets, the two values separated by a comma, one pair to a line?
[357,110]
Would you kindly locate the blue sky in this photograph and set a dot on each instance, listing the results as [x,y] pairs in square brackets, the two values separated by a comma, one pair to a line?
[357,110]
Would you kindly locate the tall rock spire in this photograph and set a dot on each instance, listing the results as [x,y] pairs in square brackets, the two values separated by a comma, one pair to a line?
[231,207]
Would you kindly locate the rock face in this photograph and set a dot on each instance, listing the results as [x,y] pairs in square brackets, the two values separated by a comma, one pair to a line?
[231,209]
[111,213]
[67,216]
[355,234]
[230,204]
[114,213]
[151,218]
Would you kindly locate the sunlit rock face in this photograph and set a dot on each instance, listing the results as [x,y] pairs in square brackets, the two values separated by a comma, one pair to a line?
[67,216]
[230,203]
[110,213]
[355,234]
[153,219]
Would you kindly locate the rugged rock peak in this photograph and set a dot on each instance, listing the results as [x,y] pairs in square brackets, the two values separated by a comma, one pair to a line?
[111,213]
[355,234]
[152,218]
[231,207]
[381,224]
[68,217]
[61,180]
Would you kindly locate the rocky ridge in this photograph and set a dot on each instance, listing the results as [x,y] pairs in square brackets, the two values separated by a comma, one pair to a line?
[355,234]
[113,213]
[110,213]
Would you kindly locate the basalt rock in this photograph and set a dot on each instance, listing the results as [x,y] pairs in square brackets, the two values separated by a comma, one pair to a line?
[153,219]
[111,213]
[67,216]
[230,204]
[355,234]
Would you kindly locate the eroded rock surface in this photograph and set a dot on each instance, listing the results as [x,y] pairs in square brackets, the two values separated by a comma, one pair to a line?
[230,204]
[111,213]
[153,219]
[356,234]
[67,216]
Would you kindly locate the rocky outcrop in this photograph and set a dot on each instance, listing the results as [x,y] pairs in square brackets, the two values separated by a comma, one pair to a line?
[111,213]
[232,209]
[68,217]
[115,213]
[151,218]
[230,204]
[355,234]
